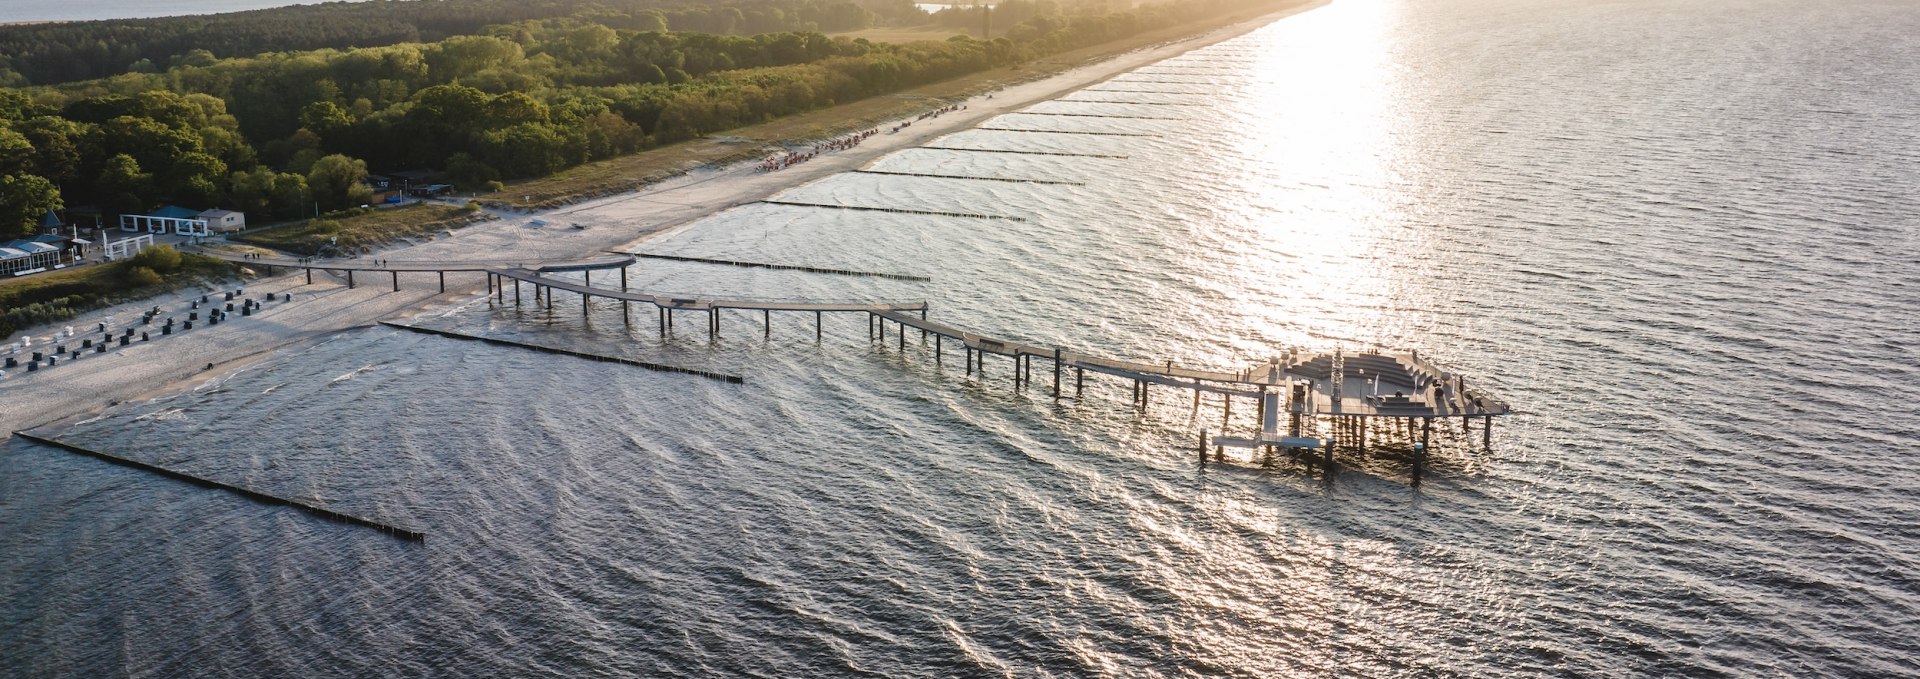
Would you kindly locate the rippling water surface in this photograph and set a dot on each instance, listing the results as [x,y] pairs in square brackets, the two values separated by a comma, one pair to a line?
[1677,235]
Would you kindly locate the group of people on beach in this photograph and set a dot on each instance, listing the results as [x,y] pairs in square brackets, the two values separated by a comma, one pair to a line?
[780,162]
[930,114]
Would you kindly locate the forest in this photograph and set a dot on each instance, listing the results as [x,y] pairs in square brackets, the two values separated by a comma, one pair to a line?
[45,54]
[283,134]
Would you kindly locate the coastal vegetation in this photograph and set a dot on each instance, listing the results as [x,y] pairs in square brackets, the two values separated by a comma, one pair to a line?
[61,295]
[273,134]
[349,231]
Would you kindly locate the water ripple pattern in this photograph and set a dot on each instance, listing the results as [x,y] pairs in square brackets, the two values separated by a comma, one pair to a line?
[1678,235]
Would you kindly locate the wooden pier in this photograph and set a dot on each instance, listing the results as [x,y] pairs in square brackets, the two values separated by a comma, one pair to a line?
[1333,399]
[1357,402]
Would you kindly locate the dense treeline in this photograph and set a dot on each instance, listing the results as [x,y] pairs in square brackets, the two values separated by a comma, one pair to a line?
[286,134]
[64,52]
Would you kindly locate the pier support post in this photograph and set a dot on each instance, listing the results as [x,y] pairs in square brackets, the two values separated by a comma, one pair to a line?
[349,279]
[626,312]
[969,359]
[443,282]
[623,279]
[1326,460]
[766,315]
[396,280]
[816,325]
[1226,414]
[713,324]
[1362,422]
[1143,396]
[903,338]
[937,341]
[1486,433]
[309,276]
[1420,454]
[1056,371]
[1203,447]
[516,292]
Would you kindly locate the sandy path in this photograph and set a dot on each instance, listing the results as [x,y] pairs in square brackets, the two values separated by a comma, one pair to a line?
[619,222]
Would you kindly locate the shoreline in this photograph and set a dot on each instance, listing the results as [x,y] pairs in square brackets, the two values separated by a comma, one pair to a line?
[616,222]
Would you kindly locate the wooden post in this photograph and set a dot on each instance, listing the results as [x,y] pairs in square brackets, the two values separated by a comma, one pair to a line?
[396,280]
[586,277]
[586,302]
[1056,372]
[349,279]
[936,348]
[816,326]
[1079,381]
[1203,447]
[1486,433]
[713,323]
[1326,460]
[969,359]
[1362,422]
[1143,395]
[623,279]
[443,282]
[309,275]
[1260,411]
[1420,454]
[516,292]
[626,312]
[766,315]
[1226,416]
[903,337]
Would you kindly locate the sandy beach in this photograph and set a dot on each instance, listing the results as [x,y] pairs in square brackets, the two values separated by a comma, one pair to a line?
[621,222]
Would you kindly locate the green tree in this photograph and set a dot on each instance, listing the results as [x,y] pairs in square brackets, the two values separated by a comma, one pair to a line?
[335,182]
[23,199]
[325,118]
[16,153]
[122,187]
[56,146]
[290,196]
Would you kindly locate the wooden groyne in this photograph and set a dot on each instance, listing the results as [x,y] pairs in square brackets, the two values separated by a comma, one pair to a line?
[1094,115]
[1164,82]
[962,176]
[1108,89]
[734,379]
[257,496]
[789,267]
[1026,153]
[1099,134]
[896,210]
[1134,103]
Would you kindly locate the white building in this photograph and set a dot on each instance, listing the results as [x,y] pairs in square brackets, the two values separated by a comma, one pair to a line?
[224,221]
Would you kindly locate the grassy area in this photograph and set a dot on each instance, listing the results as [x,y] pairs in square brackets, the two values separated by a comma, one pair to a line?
[364,229]
[57,296]
[628,173]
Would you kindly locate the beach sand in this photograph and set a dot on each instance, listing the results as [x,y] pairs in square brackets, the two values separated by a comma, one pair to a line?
[620,222]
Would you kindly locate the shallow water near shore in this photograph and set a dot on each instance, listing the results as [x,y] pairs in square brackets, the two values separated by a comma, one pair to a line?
[1675,234]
